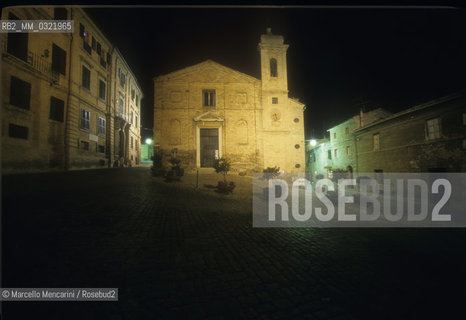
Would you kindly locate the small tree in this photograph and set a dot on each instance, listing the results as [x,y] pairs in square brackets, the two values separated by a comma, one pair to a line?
[222,166]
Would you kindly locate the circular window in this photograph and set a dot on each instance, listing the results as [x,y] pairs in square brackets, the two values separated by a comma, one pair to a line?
[296,146]
[297,165]
[296,120]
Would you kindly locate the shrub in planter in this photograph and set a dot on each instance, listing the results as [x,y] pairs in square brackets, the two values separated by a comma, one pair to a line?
[224,187]
[222,166]
[176,172]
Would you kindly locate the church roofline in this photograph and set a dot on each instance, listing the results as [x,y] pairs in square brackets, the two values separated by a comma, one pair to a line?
[208,61]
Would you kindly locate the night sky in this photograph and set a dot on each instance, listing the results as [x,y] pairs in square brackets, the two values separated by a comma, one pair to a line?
[339,59]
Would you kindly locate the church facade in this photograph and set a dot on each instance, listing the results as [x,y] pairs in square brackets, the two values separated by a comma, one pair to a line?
[208,111]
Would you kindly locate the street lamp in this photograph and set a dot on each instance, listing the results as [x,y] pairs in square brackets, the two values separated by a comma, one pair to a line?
[148,141]
[313,142]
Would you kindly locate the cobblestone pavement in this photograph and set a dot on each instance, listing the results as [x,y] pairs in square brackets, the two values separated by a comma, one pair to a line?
[174,252]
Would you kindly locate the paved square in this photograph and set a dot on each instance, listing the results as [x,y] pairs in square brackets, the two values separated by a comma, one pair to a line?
[177,252]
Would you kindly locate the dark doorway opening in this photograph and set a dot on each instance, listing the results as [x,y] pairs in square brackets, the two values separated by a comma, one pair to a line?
[208,147]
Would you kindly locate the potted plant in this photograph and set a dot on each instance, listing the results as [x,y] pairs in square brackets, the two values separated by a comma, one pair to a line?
[176,172]
[222,166]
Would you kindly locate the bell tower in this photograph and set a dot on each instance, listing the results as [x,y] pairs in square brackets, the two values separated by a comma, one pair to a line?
[273,70]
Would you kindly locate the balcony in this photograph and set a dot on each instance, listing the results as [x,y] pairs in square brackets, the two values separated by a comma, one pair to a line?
[37,61]
[122,115]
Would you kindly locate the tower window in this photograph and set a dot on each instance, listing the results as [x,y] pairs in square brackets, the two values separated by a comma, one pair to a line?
[273,67]
[274,100]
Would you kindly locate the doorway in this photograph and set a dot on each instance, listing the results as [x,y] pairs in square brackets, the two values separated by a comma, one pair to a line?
[209,150]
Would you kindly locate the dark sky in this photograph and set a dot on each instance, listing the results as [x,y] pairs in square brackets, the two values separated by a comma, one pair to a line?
[339,59]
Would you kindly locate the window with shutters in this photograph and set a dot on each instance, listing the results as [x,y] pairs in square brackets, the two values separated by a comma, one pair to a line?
[58,59]
[433,129]
[85,119]
[101,128]
[17,43]
[15,131]
[102,90]
[86,78]
[20,93]
[57,109]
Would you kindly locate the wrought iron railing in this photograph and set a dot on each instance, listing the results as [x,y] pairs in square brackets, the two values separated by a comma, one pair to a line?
[39,63]
[36,61]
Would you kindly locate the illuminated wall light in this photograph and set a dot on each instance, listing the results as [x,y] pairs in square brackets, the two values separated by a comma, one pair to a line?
[148,141]
[313,142]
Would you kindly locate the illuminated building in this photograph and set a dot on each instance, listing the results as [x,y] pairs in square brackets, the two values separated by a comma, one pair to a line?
[208,111]
[69,100]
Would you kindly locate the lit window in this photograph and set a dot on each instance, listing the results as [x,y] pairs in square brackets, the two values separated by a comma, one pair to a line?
[208,98]
[85,119]
[376,142]
[433,129]
[101,128]
[274,100]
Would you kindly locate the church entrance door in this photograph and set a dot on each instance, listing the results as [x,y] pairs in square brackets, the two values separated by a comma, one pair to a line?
[208,147]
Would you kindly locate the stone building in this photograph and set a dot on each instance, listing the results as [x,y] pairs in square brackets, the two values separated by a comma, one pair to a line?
[61,97]
[339,151]
[208,111]
[430,137]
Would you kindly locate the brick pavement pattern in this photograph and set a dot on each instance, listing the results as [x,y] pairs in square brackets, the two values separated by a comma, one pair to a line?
[178,253]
